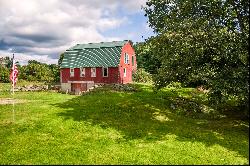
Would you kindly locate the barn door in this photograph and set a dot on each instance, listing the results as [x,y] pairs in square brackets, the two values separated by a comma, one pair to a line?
[84,87]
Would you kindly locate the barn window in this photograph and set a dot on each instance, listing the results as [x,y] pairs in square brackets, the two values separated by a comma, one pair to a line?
[126,58]
[133,61]
[72,72]
[93,72]
[124,72]
[82,72]
[105,72]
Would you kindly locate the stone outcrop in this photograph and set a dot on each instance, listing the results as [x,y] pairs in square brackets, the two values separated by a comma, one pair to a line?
[37,88]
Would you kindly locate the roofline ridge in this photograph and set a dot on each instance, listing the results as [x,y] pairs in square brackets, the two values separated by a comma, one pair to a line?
[102,44]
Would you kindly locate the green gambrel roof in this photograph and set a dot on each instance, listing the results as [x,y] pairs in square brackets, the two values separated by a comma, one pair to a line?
[104,54]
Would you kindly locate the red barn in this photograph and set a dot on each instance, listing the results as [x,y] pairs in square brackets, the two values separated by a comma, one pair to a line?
[85,65]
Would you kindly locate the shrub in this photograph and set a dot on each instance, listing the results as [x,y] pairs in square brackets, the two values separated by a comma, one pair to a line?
[174,85]
[142,76]
[4,74]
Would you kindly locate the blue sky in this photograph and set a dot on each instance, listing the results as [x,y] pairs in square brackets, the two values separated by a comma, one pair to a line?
[41,30]
[136,29]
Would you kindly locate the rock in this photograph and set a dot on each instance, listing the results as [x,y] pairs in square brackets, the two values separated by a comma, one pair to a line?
[29,86]
[91,88]
[122,87]
[202,89]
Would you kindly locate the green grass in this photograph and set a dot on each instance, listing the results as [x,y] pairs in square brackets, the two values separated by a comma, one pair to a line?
[110,127]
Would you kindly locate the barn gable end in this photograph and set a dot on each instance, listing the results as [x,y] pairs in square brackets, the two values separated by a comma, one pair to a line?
[94,57]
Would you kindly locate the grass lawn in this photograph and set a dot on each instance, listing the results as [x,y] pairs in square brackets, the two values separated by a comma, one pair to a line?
[111,127]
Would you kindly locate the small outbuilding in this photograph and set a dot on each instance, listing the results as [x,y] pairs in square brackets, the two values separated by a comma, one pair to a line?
[85,65]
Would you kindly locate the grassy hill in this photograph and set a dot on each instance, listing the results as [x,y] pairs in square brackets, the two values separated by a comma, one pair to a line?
[173,126]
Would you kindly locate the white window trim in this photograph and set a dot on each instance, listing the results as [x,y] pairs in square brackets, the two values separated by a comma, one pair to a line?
[72,74]
[82,71]
[91,71]
[103,71]
[124,72]
[125,58]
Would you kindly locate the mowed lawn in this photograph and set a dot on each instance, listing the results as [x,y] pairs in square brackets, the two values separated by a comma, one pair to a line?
[112,127]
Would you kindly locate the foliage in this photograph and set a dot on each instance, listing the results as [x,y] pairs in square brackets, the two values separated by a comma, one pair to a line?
[36,71]
[5,68]
[33,62]
[8,62]
[202,43]
[112,127]
[142,76]
[145,57]
[55,69]
[174,85]
[4,74]
[60,59]
[33,71]
[139,51]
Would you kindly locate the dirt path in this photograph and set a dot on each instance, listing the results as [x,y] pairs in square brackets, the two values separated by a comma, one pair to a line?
[10,101]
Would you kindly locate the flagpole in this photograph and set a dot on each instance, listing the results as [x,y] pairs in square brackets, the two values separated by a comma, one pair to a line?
[13,84]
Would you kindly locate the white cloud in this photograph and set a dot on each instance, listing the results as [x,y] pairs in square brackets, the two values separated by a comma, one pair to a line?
[24,58]
[45,28]
[134,5]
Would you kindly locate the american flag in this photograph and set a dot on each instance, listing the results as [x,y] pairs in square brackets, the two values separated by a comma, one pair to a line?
[14,72]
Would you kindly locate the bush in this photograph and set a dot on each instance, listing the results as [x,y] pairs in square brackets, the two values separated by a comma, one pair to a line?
[174,85]
[142,76]
[4,75]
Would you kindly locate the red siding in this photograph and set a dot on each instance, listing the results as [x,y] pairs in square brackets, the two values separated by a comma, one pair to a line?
[115,74]
[127,48]
[112,75]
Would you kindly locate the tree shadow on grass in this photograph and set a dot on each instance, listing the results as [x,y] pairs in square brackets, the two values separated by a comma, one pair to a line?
[151,117]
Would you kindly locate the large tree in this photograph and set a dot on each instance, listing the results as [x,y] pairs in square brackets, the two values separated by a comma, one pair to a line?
[145,58]
[202,43]
[37,71]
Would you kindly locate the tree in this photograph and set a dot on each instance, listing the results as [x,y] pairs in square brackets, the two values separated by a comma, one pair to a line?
[33,71]
[145,58]
[5,66]
[33,61]
[60,59]
[4,74]
[36,71]
[202,43]
[55,69]
[8,62]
